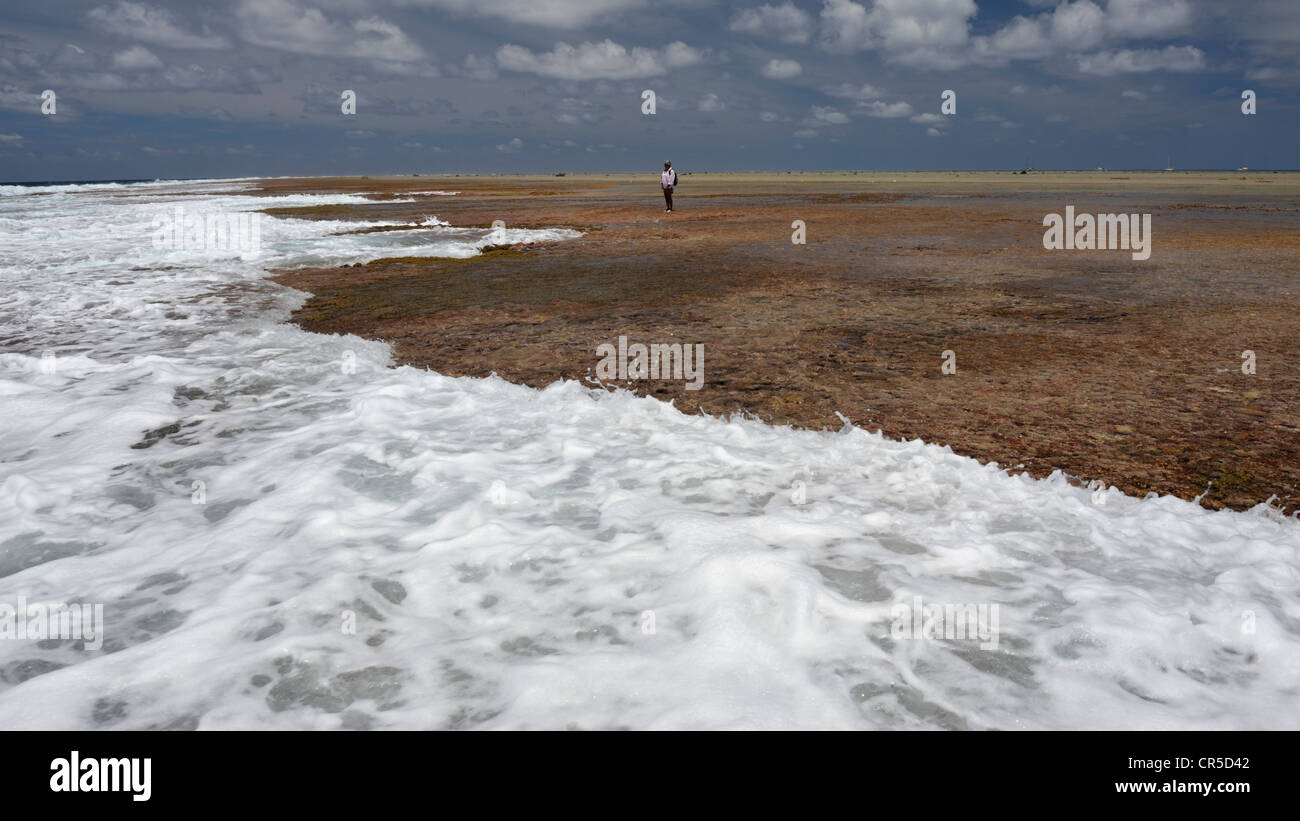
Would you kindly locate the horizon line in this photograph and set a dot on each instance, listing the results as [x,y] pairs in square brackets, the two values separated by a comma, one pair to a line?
[138,180]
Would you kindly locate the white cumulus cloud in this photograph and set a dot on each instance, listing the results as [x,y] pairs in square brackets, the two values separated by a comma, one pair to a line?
[710,102]
[289,26]
[889,110]
[926,34]
[787,22]
[1141,61]
[136,58]
[150,24]
[562,14]
[782,69]
[605,60]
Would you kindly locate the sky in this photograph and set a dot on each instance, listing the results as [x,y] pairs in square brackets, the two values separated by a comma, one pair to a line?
[147,90]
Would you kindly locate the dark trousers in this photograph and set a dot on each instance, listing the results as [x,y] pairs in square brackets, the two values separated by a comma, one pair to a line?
[668,197]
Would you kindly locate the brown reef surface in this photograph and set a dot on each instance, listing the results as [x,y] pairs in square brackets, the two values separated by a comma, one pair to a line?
[1088,362]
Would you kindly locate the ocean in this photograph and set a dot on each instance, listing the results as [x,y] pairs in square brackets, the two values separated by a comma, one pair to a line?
[284,531]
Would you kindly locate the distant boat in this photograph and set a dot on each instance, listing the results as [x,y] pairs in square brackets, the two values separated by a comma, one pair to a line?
[1169,164]
[1243,168]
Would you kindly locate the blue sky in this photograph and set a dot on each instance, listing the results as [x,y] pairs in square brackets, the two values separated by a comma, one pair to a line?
[252,87]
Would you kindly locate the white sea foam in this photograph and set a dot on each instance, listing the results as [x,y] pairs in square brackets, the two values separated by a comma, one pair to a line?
[189,186]
[518,558]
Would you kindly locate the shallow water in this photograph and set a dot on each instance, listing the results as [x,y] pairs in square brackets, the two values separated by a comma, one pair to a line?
[390,548]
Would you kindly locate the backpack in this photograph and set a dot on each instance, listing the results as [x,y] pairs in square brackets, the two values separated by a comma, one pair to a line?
[674,177]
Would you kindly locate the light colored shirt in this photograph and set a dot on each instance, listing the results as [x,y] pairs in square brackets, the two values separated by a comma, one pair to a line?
[668,179]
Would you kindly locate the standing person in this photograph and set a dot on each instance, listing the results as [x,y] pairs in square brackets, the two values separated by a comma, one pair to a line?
[667,181]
